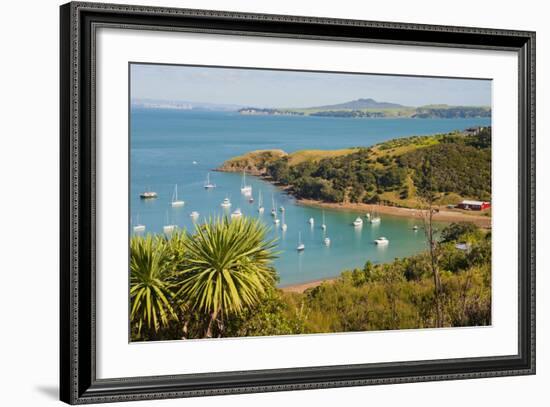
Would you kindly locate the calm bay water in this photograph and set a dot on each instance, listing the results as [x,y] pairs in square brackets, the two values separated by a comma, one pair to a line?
[171,147]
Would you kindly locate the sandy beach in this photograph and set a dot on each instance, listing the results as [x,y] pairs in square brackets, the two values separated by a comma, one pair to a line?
[444,214]
[300,288]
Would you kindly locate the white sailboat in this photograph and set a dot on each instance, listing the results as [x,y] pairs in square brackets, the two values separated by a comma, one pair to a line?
[226,203]
[300,246]
[168,228]
[311,221]
[236,214]
[358,222]
[283,223]
[208,184]
[245,189]
[326,241]
[260,203]
[175,201]
[194,215]
[374,218]
[323,225]
[273,210]
[138,228]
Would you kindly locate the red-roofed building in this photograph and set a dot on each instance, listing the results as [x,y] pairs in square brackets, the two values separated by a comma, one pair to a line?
[474,205]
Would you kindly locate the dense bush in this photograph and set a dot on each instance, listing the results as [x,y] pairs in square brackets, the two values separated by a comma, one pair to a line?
[452,163]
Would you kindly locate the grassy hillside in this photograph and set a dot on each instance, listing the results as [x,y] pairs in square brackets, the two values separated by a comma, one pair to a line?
[452,166]
[257,162]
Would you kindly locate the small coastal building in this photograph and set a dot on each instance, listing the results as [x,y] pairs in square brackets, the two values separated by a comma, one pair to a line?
[474,205]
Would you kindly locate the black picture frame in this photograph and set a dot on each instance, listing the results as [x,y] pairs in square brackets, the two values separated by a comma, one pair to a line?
[78,382]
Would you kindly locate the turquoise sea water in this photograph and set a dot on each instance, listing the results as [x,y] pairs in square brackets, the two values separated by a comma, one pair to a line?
[169,147]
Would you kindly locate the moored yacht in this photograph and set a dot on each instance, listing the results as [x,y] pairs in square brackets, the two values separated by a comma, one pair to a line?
[381,241]
[236,214]
[226,203]
[208,184]
[175,201]
[138,227]
[300,246]
[245,189]
[168,227]
[375,219]
[260,203]
[358,222]
[273,210]
[148,195]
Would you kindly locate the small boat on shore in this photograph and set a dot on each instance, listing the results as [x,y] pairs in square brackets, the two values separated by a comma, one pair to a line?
[381,241]
[208,184]
[301,247]
[226,203]
[358,222]
[175,201]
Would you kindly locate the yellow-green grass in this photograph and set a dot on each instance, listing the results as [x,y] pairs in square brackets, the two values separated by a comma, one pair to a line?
[316,155]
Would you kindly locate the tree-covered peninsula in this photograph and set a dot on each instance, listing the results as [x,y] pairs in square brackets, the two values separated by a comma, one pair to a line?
[451,167]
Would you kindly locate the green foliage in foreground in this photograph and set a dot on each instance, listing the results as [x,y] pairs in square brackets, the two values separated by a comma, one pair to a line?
[218,281]
[151,285]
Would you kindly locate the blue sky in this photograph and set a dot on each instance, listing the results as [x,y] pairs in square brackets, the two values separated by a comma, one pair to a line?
[272,88]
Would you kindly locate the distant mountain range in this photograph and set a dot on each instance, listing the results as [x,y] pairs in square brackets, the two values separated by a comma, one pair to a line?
[359,108]
[360,104]
[370,108]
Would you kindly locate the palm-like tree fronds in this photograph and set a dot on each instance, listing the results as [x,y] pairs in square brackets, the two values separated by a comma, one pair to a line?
[151,290]
[227,266]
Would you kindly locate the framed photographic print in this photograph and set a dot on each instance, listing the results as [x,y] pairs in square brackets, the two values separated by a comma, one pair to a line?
[255,203]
